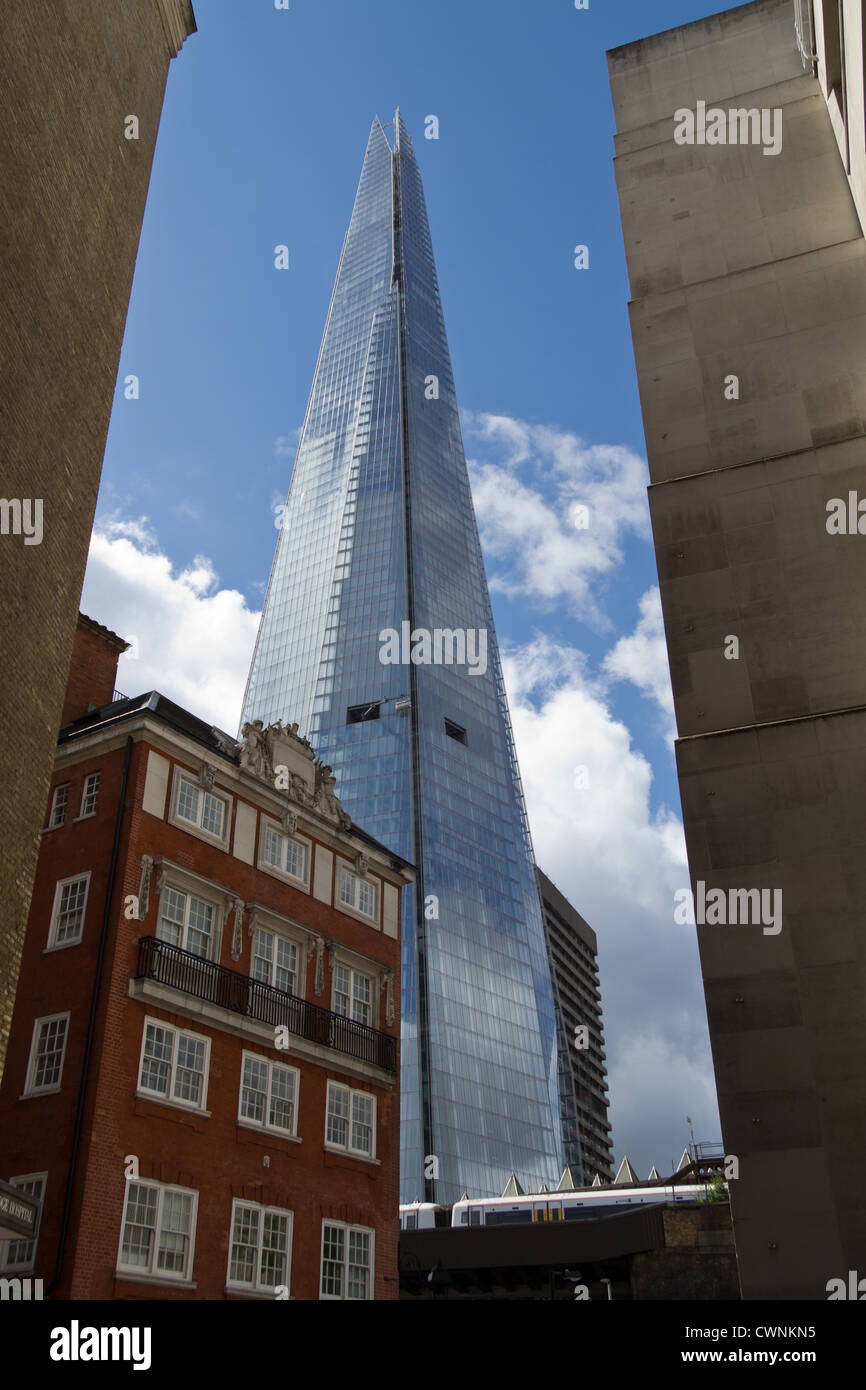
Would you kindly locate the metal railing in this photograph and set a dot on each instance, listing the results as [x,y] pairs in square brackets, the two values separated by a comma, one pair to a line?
[190,974]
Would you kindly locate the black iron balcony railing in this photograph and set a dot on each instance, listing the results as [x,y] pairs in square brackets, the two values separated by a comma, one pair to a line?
[181,970]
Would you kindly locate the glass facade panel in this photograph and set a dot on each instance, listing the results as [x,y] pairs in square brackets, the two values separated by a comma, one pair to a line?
[379,531]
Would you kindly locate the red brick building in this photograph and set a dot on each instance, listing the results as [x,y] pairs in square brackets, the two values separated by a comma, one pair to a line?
[202,1078]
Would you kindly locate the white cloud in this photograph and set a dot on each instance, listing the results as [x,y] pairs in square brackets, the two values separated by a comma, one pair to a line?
[642,659]
[193,640]
[620,862]
[527,499]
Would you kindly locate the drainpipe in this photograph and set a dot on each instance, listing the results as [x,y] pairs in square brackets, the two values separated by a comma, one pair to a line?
[91,1025]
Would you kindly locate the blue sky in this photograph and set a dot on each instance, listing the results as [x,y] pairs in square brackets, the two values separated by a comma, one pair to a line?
[263,130]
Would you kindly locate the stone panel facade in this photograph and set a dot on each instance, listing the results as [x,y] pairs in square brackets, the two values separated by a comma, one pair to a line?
[74,190]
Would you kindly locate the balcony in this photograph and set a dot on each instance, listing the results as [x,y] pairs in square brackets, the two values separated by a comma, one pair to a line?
[227,989]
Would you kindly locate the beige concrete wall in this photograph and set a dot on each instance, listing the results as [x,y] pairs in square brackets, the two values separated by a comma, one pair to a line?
[752,265]
[73,196]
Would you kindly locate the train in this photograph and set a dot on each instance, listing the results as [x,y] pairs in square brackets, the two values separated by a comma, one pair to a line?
[551,1206]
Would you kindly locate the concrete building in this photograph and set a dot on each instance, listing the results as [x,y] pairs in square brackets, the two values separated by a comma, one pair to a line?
[202,1080]
[572,950]
[74,189]
[747,267]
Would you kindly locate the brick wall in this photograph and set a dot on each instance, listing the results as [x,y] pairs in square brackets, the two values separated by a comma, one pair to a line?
[215,1156]
[93,669]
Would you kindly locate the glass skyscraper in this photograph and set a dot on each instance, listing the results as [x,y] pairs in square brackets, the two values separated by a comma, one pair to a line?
[379,536]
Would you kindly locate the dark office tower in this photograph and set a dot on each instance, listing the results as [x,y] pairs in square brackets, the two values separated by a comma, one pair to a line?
[572,949]
[379,532]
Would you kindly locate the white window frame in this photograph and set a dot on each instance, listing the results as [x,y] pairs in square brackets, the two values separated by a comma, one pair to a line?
[289,940]
[297,880]
[195,827]
[346,1228]
[352,908]
[25,1266]
[91,776]
[257,1287]
[264,1124]
[348,1147]
[53,822]
[188,892]
[186,881]
[168,1096]
[375,989]
[150,1272]
[30,1089]
[53,943]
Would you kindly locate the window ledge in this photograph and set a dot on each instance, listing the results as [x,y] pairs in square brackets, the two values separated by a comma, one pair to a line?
[358,916]
[43,1091]
[60,946]
[302,884]
[218,841]
[126,1276]
[266,1295]
[268,1133]
[90,816]
[350,1153]
[171,1103]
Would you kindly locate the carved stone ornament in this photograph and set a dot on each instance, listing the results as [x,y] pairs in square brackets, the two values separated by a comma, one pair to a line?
[362,864]
[255,750]
[317,944]
[144,886]
[237,932]
[290,821]
[325,800]
[207,775]
[389,996]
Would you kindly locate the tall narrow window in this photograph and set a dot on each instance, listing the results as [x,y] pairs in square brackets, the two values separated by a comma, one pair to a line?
[200,808]
[174,1064]
[359,893]
[158,1230]
[186,921]
[275,961]
[351,1120]
[67,916]
[353,994]
[59,803]
[284,853]
[347,1261]
[89,796]
[47,1052]
[268,1094]
[260,1250]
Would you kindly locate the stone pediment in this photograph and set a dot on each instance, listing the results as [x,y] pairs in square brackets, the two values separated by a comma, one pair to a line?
[283,759]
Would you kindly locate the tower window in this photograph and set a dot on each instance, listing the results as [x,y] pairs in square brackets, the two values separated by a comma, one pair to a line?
[359,714]
[455,731]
